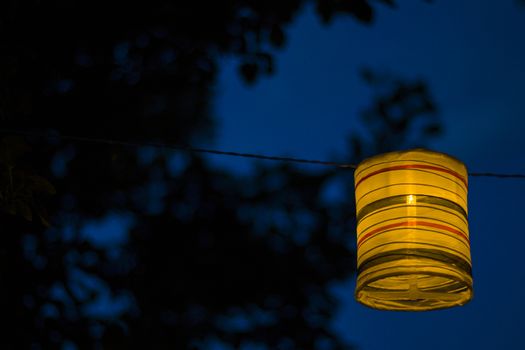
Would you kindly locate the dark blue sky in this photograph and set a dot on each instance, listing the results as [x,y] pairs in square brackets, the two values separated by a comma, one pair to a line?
[472,54]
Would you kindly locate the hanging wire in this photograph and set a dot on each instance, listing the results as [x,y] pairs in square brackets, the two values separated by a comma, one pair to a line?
[191,149]
[179,147]
[502,176]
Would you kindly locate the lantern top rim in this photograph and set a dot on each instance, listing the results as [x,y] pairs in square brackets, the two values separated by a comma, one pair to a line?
[403,153]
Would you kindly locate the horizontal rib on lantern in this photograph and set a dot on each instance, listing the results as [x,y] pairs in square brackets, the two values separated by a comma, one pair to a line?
[412,232]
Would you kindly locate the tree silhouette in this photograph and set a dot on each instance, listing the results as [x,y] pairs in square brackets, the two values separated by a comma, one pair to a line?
[208,257]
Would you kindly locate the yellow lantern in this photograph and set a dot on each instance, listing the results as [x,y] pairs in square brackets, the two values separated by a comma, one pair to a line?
[413,249]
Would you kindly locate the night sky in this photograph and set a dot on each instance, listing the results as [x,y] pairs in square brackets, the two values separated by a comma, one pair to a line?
[472,55]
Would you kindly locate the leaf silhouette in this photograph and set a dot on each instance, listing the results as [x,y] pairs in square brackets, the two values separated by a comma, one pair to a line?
[12,147]
[23,209]
[40,184]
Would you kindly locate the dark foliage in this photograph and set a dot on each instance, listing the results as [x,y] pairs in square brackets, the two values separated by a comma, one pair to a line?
[207,257]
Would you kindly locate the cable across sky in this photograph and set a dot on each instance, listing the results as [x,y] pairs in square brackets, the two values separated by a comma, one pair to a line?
[191,149]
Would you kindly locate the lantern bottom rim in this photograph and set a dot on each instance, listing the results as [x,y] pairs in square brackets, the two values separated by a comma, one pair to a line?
[414,289]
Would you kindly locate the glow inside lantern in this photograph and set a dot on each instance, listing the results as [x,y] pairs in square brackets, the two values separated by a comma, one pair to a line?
[413,250]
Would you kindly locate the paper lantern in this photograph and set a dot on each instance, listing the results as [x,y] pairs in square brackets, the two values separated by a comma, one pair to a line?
[413,249]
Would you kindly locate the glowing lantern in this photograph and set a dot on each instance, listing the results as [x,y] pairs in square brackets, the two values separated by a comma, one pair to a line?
[413,250]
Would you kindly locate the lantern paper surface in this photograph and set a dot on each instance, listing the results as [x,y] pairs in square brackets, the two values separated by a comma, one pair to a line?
[413,249]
